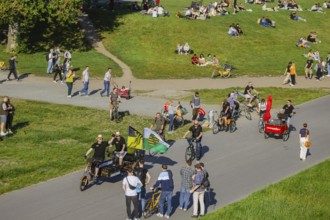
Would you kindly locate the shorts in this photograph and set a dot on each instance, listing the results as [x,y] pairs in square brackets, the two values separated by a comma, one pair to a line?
[121,155]
[3,118]
[247,96]
[97,162]
[112,104]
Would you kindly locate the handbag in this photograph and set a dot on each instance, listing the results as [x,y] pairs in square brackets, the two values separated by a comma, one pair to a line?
[308,144]
[130,186]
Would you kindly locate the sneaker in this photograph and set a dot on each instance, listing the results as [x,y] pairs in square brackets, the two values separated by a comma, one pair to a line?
[101,94]
[160,215]
[3,134]
[167,216]
[184,210]
[180,208]
[194,216]
[54,81]
[328,75]
[136,219]
[80,93]
[10,132]
[69,96]
[8,79]
[62,82]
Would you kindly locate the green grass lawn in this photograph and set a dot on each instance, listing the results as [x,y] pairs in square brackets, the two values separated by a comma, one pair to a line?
[36,63]
[303,196]
[279,95]
[50,141]
[147,44]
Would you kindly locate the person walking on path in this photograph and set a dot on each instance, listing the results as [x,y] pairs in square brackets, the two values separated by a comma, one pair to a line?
[114,100]
[107,80]
[186,173]
[69,81]
[143,174]
[10,117]
[293,74]
[50,62]
[171,113]
[130,183]
[12,68]
[198,192]
[303,137]
[3,115]
[58,72]
[308,68]
[287,73]
[85,81]
[197,133]
[320,70]
[165,180]
[195,104]
[328,63]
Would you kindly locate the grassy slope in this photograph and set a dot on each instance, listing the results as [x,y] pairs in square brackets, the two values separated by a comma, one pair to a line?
[51,140]
[147,44]
[36,63]
[303,196]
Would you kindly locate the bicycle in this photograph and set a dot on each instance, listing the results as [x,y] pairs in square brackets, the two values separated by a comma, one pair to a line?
[191,150]
[224,72]
[153,203]
[261,124]
[115,113]
[230,125]
[244,110]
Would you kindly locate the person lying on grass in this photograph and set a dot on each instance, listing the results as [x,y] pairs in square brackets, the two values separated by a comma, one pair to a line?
[266,22]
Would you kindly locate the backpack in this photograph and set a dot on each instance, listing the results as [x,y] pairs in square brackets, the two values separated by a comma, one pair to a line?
[206,182]
[47,57]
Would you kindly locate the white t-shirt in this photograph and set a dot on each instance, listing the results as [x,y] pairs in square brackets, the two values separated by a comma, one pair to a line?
[107,76]
[86,75]
[133,180]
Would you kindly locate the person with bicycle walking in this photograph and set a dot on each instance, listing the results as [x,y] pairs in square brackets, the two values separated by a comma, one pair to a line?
[143,174]
[186,173]
[261,109]
[197,133]
[195,104]
[248,93]
[166,183]
[114,99]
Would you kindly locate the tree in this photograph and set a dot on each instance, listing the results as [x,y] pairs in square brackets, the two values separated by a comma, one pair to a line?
[38,24]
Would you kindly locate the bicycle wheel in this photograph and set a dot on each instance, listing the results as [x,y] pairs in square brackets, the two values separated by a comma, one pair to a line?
[116,115]
[83,183]
[149,210]
[285,135]
[214,74]
[189,155]
[261,125]
[232,126]
[248,115]
[215,128]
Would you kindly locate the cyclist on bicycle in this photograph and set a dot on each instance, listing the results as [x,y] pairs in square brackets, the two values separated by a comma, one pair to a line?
[114,99]
[225,113]
[99,153]
[288,110]
[159,125]
[197,133]
[119,142]
[261,109]
[249,89]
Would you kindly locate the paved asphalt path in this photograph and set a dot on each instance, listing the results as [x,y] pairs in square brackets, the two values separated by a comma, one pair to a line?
[239,163]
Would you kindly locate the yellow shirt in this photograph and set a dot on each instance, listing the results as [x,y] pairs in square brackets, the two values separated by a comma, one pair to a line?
[69,76]
[292,70]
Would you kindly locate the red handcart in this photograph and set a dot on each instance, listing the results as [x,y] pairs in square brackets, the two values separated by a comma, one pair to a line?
[277,127]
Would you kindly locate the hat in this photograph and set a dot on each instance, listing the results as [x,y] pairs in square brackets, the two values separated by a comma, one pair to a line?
[99,136]
[117,133]
[198,166]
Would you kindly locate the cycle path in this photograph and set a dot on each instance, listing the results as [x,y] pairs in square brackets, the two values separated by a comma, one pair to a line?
[239,163]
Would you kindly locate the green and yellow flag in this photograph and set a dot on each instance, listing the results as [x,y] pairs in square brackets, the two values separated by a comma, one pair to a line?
[134,139]
[153,142]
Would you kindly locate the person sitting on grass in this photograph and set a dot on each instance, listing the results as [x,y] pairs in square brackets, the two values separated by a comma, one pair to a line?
[317,8]
[186,48]
[232,31]
[302,42]
[194,59]
[209,60]
[201,60]
[222,10]
[326,4]
[312,37]
[215,61]
[266,22]
[294,16]
[179,48]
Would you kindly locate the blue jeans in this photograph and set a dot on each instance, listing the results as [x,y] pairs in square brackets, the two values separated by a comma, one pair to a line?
[163,196]
[198,148]
[142,197]
[50,67]
[85,89]
[328,69]
[184,197]
[170,128]
[106,88]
